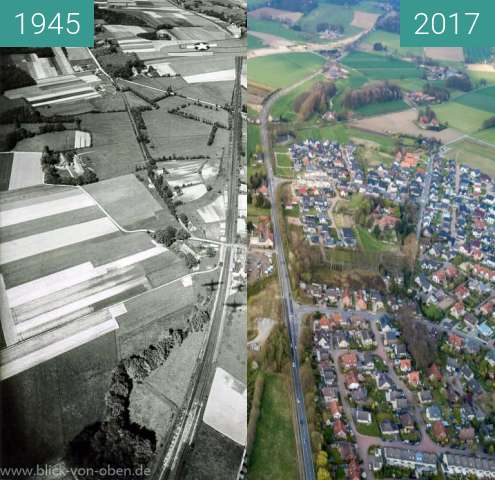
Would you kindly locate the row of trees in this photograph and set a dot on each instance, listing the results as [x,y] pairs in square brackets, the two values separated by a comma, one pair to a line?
[440,94]
[13,77]
[213,134]
[314,101]
[376,93]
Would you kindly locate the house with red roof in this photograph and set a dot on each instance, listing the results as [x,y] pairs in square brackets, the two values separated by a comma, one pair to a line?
[434,373]
[351,380]
[339,429]
[458,310]
[413,378]
[405,365]
[456,341]
[439,432]
[349,360]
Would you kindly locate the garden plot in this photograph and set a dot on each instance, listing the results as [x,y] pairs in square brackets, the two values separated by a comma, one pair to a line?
[125,199]
[115,150]
[214,212]
[226,408]
[82,139]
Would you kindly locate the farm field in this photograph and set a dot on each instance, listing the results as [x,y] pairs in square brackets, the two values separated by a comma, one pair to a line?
[277,29]
[461,116]
[403,122]
[59,141]
[378,67]
[392,42]
[115,150]
[253,139]
[274,451]
[445,54]
[476,155]
[483,99]
[25,170]
[382,108]
[127,201]
[487,135]
[278,71]
[333,14]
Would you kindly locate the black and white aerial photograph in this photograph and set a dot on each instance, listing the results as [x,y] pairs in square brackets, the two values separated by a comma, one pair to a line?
[123,213]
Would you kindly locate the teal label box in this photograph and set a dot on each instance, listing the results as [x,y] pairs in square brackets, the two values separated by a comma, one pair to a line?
[447,23]
[47,23]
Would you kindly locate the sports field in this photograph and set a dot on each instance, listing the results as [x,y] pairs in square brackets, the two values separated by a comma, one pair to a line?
[278,71]
[379,67]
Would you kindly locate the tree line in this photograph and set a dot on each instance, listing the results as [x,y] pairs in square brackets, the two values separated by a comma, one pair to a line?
[376,93]
[314,101]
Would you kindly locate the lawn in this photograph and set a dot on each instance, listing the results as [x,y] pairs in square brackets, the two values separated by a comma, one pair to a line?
[462,117]
[274,450]
[283,160]
[6,160]
[382,108]
[253,139]
[371,430]
[476,155]
[369,243]
[379,67]
[279,71]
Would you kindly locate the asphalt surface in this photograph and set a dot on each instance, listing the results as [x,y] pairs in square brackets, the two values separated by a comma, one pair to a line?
[184,431]
[302,430]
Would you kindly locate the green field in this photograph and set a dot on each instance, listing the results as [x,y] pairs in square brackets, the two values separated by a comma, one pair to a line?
[382,108]
[476,155]
[487,135]
[253,139]
[276,28]
[476,77]
[254,42]
[283,160]
[274,450]
[379,67]
[483,99]
[462,117]
[333,14]
[6,160]
[278,71]
[392,42]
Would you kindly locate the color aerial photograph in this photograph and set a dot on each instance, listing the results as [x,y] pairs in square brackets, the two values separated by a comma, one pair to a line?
[123,248]
[371,261]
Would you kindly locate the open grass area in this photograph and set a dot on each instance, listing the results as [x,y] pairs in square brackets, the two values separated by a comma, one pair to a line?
[379,67]
[369,243]
[278,71]
[278,29]
[331,13]
[476,155]
[253,139]
[382,108]
[483,99]
[462,117]
[274,451]
[487,135]
[283,160]
[392,42]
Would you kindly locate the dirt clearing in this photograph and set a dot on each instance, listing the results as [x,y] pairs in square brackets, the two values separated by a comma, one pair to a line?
[449,54]
[364,20]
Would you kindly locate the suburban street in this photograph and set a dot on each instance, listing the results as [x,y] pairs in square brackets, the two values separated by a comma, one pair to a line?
[302,430]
